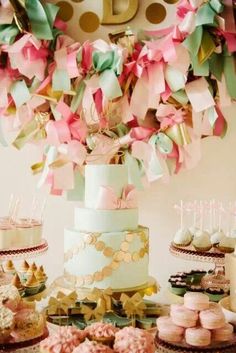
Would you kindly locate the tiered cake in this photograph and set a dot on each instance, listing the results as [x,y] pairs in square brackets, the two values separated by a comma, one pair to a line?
[107,248]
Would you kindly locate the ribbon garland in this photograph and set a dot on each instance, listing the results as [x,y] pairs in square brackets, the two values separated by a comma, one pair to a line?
[86,93]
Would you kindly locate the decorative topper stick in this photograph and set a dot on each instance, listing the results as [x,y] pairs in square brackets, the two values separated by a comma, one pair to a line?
[201,215]
[181,214]
[16,210]
[42,210]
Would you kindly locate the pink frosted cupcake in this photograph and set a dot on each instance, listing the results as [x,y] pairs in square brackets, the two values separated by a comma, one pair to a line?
[102,332]
[92,347]
[10,297]
[133,340]
[65,340]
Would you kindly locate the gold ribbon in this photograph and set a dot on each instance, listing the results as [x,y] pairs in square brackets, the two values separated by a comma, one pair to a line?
[90,314]
[133,305]
[102,296]
[179,134]
[61,303]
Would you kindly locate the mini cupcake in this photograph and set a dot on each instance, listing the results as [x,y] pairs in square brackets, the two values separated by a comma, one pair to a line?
[227,245]
[189,276]
[215,294]
[32,285]
[92,347]
[9,267]
[6,324]
[182,238]
[198,275]
[102,332]
[195,288]
[34,267]
[132,339]
[217,237]
[17,283]
[202,242]
[23,270]
[29,324]
[66,339]
[179,288]
[9,297]
[41,277]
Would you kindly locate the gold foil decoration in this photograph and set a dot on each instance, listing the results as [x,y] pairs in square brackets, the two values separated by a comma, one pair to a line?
[128,258]
[179,134]
[142,253]
[155,13]
[90,314]
[115,265]
[110,18]
[89,22]
[37,167]
[133,306]
[125,246]
[100,246]
[102,296]
[98,276]
[108,252]
[61,303]
[65,10]
[88,239]
[107,271]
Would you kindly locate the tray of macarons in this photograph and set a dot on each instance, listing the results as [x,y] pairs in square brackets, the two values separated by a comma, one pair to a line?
[195,326]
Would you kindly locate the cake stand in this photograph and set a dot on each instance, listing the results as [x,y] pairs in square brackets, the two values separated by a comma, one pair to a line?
[217,279]
[166,347]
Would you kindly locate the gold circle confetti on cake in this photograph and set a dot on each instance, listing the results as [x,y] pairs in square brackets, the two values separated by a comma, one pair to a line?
[107,271]
[66,11]
[135,257]
[108,252]
[129,237]
[125,246]
[98,276]
[89,239]
[155,13]
[128,258]
[100,246]
[115,265]
[89,22]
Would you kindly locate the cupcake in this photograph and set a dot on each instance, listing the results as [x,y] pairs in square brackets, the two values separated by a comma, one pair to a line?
[65,339]
[29,324]
[17,283]
[92,347]
[23,270]
[6,323]
[32,285]
[9,296]
[9,267]
[34,267]
[132,339]
[227,245]
[179,288]
[215,294]
[198,275]
[102,333]
[41,278]
[195,289]
[182,238]
[217,237]
[202,242]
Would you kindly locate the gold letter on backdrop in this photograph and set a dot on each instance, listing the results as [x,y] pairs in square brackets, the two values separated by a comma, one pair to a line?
[109,18]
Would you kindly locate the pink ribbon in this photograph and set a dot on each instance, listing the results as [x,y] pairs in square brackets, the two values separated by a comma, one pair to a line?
[107,199]
[168,115]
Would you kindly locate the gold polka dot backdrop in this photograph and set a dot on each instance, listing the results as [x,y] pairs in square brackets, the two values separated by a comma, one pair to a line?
[89,19]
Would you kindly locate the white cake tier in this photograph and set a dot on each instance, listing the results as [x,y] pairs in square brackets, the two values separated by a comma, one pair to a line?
[114,260]
[90,220]
[17,238]
[112,175]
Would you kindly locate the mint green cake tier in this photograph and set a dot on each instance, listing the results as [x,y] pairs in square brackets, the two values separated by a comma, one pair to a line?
[91,220]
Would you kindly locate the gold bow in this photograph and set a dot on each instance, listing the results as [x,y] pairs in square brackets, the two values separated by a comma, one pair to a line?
[133,305]
[90,314]
[179,134]
[62,303]
[102,297]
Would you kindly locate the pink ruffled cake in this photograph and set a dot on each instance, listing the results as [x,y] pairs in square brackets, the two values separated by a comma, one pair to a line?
[65,340]
[133,340]
[92,347]
[101,332]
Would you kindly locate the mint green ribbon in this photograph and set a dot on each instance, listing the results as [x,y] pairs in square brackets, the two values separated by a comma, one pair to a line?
[8,33]
[77,194]
[108,65]
[77,99]
[134,170]
[41,18]
[230,74]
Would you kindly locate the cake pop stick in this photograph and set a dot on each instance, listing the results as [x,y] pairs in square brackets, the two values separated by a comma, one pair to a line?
[201,215]
[11,208]
[181,214]
[220,216]
[33,209]
[16,210]
[42,210]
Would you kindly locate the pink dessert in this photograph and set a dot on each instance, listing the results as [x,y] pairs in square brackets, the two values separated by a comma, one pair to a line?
[182,316]
[196,301]
[101,330]
[65,340]
[198,337]
[92,347]
[171,333]
[212,319]
[163,321]
[133,340]
[223,334]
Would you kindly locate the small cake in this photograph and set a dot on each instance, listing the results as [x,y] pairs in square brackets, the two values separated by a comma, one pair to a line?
[227,245]
[182,237]
[9,296]
[29,324]
[212,319]
[198,337]
[202,242]
[132,339]
[163,321]
[32,285]
[64,340]
[223,334]
[17,283]
[9,267]
[101,332]
[217,237]
[6,323]
[92,347]
[171,333]
[215,294]
[196,301]
[178,288]
[182,316]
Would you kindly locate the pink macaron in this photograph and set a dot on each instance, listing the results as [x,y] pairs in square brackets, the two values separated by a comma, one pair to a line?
[171,333]
[163,321]
[182,316]
[212,319]
[223,334]
[198,337]
[196,301]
